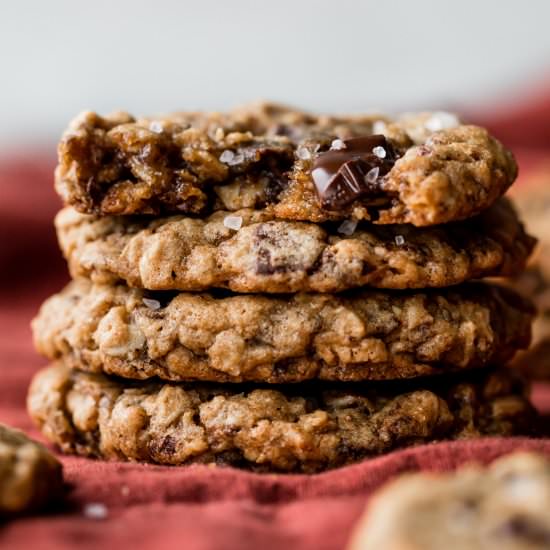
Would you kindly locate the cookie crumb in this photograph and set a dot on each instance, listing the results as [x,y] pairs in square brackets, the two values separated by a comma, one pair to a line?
[441,120]
[95,510]
[347,227]
[380,152]
[399,240]
[233,222]
[125,490]
[219,134]
[337,145]
[372,175]
[151,304]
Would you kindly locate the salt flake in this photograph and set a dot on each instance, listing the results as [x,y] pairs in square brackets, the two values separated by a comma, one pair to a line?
[380,152]
[441,120]
[237,159]
[233,222]
[303,154]
[227,156]
[379,127]
[230,158]
[347,227]
[372,175]
[96,510]
[156,126]
[151,304]
[399,240]
[337,145]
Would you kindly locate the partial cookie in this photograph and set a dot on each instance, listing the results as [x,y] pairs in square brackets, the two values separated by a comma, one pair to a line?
[504,506]
[424,169]
[534,284]
[362,335]
[30,476]
[248,252]
[291,428]
[533,202]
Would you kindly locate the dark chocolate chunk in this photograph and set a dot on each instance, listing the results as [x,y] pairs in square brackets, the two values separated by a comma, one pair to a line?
[352,170]
[264,265]
[168,445]
[525,528]
[266,237]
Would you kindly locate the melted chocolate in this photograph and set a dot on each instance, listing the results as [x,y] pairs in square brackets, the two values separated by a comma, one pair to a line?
[345,174]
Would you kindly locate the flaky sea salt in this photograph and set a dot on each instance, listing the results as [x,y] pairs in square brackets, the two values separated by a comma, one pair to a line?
[230,158]
[380,152]
[347,227]
[156,126]
[96,510]
[303,154]
[441,120]
[151,304]
[227,156]
[372,175]
[379,127]
[233,222]
[337,145]
[399,240]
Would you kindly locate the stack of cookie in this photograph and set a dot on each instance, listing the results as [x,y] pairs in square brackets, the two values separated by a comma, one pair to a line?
[280,291]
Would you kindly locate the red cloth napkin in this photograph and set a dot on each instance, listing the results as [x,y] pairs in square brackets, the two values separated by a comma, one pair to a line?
[153,507]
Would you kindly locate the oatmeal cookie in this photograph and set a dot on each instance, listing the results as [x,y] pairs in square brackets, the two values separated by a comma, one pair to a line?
[506,505]
[291,428]
[422,169]
[234,338]
[30,476]
[249,251]
[533,203]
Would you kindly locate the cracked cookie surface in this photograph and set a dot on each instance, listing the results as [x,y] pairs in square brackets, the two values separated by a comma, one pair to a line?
[30,476]
[263,255]
[356,336]
[505,505]
[426,169]
[298,428]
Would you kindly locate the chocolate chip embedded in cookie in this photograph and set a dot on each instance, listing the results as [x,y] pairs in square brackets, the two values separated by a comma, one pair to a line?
[351,169]
[292,428]
[506,505]
[419,169]
[250,252]
[30,476]
[366,335]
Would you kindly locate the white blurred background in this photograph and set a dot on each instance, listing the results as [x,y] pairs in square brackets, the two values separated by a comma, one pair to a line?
[58,57]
